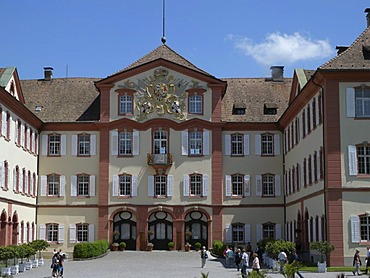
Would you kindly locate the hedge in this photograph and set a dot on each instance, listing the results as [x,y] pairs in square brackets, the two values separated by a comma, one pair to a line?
[85,250]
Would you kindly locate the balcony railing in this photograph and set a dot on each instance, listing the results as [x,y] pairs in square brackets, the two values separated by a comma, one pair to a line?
[159,159]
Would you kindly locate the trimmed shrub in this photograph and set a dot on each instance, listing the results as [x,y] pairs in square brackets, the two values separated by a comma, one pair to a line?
[218,247]
[85,250]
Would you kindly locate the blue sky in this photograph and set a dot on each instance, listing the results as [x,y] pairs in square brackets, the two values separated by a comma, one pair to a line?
[234,38]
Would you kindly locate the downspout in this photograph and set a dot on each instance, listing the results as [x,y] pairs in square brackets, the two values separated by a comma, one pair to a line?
[323,147]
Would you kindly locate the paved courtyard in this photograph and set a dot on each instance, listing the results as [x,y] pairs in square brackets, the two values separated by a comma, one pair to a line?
[156,264]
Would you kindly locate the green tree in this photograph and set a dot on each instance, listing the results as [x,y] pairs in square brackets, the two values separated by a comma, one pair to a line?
[323,247]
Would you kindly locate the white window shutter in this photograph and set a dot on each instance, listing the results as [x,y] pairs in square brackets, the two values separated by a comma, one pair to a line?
[246,144]
[205,185]
[169,185]
[62,186]
[15,179]
[302,175]
[136,142]
[317,111]
[93,144]
[319,238]
[21,180]
[63,144]
[352,160]
[186,185]
[247,232]
[277,185]
[16,131]
[25,233]
[114,143]
[74,144]
[33,142]
[115,185]
[228,185]
[228,233]
[28,142]
[92,185]
[42,231]
[257,144]
[206,142]
[44,144]
[2,174]
[44,185]
[247,185]
[91,233]
[277,231]
[318,164]
[10,124]
[350,102]
[151,186]
[60,233]
[36,185]
[227,144]
[73,185]
[34,234]
[26,179]
[184,142]
[134,186]
[309,229]
[3,123]
[19,233]
[259,232]
[72,233]
[314,230]
[258,185]
[22,134]
[277,144]
[355,228]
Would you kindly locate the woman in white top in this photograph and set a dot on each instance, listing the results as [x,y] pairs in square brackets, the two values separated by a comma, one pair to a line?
[256,263]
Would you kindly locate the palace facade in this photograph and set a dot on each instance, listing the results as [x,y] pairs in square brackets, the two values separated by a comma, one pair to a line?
[163,151]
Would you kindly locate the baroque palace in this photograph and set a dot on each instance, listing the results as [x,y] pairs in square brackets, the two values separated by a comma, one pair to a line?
[163,151]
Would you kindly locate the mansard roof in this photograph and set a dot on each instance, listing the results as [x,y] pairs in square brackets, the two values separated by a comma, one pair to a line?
[355,57]
[255,94]
[62,99]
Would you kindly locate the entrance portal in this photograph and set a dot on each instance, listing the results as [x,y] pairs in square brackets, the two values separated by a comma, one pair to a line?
[124,229]
[160,230]
[196,229]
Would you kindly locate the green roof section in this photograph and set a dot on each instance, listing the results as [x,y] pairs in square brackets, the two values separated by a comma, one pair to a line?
[302,80]
[5,77]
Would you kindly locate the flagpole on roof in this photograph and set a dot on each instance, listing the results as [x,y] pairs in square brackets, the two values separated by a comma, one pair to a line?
[164,21]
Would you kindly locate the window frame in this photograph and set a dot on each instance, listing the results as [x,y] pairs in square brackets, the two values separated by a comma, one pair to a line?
[161,140]
[125,92]
[196,186]
[160,185]
[365,101]
[82,232]
[84,146]
[268,186]
[125,144]
[52,232]
[267,144]
[238,232]
[196,141]
[363,159]
[55,183]
[55,144]
[366,225]
[194,105]
[124,185]
[268,229]
[238,185]
[83,185]
[237,144]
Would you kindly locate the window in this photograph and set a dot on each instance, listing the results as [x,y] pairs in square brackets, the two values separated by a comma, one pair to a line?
[6,175]
[315,167]
[125,185]
[196,184]
[195,142]
[82,232]
[268,185]
[237,144]
[303,123]
[314,120]
[237,185]
[238,232]
[309,118]
[195,104]
[84,144]
[53,185]
[125,104]
[52,232]
[297,130]
[125,143]
[83,185]
[268,230]
[54,144]
[267,141]
[362,101]
[319,104]
[160,185]
[160,142]
[365,227]
[363,158]
[309,169]
[239,108]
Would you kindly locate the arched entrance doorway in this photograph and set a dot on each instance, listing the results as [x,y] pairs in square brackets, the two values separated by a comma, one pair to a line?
[160,230]
[196,228]
[3,230]
[124,229]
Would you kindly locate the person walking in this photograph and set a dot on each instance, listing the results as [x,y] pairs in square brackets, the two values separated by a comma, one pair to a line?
[54,265]
[296,258]
[282,258]
[256,263]
[244,263]
[357,262]
[230,257]
[203,256]
[237,259]
[367,259]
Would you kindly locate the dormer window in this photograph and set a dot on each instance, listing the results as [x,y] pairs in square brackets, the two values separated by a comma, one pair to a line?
[270,109]
[239,108]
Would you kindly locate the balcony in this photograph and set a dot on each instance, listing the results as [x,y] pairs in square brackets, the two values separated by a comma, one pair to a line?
[160,162]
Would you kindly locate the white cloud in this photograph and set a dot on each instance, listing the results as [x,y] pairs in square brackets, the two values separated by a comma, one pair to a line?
[283,48]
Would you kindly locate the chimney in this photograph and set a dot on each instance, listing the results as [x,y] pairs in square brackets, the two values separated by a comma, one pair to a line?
[341,49]
[277,73]
[368,16]
[48,73]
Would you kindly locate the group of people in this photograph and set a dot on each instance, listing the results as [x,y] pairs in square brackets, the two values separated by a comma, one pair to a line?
[357,261]
[242,259]
[283,259]
[57,263]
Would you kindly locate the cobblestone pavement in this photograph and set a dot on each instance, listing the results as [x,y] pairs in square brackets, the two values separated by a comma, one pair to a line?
[156,264]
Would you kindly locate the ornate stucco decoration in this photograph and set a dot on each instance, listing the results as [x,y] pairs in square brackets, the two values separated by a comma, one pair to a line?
[161,93]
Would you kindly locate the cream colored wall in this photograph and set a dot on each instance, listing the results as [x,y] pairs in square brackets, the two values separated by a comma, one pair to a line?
[69,165]
[15,155]
[67,216]
[148,74]
[137,166]
[253,165]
